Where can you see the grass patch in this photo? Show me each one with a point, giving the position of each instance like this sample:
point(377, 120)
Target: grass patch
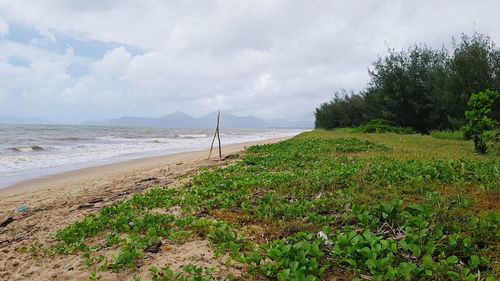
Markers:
point(326, 204)
point(447, 135)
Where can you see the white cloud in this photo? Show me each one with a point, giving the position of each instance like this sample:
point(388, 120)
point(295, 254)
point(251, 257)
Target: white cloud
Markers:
point(4, 26)
point(46, 38)
point(114, 62)
point(266, 81)
point(272, 58)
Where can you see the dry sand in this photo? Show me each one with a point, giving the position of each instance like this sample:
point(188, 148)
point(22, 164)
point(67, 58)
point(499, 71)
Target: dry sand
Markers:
point(58, 200)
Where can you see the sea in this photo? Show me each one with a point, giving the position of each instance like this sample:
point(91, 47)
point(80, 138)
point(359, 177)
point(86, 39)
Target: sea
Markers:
point(34, 151)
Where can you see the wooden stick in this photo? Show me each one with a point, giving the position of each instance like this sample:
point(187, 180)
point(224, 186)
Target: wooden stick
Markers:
point(212, 145)
point(216, 134)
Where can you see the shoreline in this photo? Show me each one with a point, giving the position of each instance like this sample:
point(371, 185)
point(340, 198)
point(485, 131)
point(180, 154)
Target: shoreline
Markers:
point(129, 166)
point(52, 203)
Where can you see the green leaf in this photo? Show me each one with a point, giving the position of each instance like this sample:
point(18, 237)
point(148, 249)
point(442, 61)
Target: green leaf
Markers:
point(465, 272)
point(403, 244)
point(304, 245)
point(451, 260)
point(467, 242)
point(351, 262)
point(453, 275)
point(355, 240)
point(430, 248)
point(452, 241)
point(365, 251)
point(336, 250)
point(415, 249)
point(315, 251)
point(283, 275)
point(406, 269)
point(310, 278)
point(286, 249)
point(474, 261)
point(427, 260)
point(370, 263)
point(367, 235)
point(274, 254)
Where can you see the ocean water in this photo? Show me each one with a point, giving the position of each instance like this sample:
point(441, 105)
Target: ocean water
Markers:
point(33, 151)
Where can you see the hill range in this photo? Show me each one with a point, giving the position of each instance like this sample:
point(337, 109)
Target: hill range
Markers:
point(182, 120)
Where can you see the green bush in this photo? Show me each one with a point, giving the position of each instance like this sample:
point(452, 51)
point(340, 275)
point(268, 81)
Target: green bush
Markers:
point(479, 120)
point(382, 126)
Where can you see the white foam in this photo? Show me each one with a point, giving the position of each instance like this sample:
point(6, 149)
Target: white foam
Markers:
point(108, 149)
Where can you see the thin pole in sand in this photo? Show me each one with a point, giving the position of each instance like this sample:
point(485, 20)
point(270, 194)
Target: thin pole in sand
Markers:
point(218, 137)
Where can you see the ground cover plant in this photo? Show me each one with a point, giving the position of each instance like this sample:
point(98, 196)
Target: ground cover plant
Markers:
point(382, 126)
point(323, 205)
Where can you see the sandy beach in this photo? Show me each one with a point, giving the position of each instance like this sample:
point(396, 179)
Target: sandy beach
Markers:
point(53, 202)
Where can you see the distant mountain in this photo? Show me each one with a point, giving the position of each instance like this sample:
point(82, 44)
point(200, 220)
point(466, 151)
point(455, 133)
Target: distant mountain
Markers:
point(19, 120)
point(182, 120)
point(178, 120)
point(232, 121)
point(174, 120)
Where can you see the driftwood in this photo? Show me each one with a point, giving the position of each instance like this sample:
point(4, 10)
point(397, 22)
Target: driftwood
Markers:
point(96, 200)
point(155, 248)
point(86, 205)
point(148, 179)
point(218, 137)
point(6, 222)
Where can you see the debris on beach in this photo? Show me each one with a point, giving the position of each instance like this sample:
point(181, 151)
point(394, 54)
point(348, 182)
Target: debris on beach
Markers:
point(6, 222)
point(23, 209)
point(155, 248)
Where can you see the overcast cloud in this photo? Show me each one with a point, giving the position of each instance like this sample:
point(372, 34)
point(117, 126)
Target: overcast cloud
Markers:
point(74, 60)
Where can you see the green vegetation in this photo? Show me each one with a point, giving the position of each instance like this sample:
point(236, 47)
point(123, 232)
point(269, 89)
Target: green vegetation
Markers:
point(447, 134)
point(189, 272)
point(421, 88)
point(321, 205)
point(382, 126)
point(478, 119)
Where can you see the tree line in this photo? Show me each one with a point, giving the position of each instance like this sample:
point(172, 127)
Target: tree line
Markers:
point(420, 87)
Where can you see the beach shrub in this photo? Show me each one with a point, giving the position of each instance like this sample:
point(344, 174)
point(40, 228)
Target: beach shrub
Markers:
point(478, 117)
point(382, 126)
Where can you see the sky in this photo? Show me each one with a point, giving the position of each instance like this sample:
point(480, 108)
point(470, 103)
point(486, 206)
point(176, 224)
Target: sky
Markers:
point(72, 60)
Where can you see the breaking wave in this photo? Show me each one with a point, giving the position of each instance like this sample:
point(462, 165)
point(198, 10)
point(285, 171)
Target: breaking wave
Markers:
point(34, 148)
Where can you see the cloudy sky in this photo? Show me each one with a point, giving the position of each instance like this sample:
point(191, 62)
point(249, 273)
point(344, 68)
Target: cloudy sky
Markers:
point(74, 60)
